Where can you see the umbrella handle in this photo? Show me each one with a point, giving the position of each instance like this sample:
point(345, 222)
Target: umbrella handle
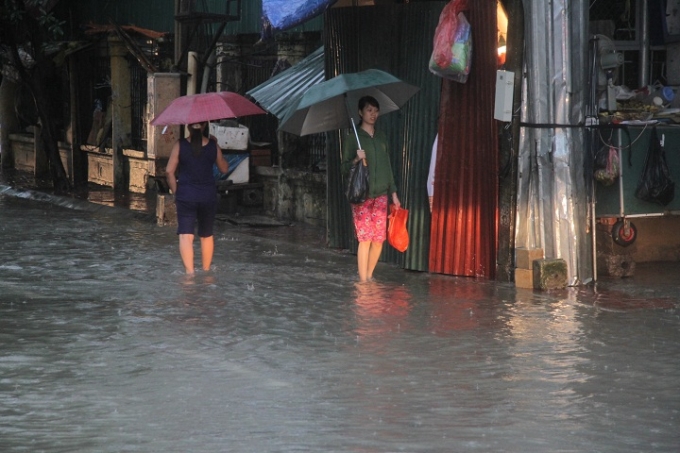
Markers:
point(357, 135)
point(351, 118)
point(355, 132)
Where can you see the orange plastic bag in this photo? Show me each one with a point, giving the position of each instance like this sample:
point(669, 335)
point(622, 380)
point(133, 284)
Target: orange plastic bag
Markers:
point(397, 235)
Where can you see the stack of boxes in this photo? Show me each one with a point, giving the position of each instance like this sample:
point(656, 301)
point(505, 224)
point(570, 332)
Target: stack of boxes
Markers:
point(524, 266)
point(532, 271)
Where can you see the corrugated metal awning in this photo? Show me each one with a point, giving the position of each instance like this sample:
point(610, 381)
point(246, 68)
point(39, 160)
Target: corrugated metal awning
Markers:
point(278, 93)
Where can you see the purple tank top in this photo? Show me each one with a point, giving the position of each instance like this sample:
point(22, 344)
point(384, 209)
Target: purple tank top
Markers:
point(196, 181)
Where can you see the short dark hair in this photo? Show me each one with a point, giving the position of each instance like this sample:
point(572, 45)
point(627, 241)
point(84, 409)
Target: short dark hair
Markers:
point(370, 100)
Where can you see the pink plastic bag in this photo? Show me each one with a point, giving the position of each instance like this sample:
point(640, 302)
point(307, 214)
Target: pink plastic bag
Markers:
point(452, 47)
point(607, 176)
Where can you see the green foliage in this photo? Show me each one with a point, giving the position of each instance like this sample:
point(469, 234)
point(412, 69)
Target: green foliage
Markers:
point(15, 14)
point(53, 26)
point(11, 13)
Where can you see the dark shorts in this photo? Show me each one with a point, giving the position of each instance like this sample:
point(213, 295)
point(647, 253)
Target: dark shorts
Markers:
point(188, 212)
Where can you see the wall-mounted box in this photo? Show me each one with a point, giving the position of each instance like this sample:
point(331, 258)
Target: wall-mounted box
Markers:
point(505, 86)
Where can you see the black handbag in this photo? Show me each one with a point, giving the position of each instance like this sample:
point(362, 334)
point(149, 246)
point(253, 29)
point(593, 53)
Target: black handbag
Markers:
point(357, 183)
point(655, 185)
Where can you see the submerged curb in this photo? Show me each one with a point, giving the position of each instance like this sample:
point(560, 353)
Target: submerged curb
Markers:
point(73, 203)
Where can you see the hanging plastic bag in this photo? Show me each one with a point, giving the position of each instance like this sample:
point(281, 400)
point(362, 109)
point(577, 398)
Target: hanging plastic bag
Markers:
point(452, 52)
point(397, 234)
point(357, 183)
point(655, 185)
point(279, 15)
point(609, 157)
point(600, 158)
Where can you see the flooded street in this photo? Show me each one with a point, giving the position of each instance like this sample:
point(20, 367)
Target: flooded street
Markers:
point(106, 346)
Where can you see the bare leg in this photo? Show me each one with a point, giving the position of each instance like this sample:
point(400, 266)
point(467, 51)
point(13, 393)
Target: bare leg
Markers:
point(373, 257)
point(186, 251)
point(207, 250)
point(362, 260)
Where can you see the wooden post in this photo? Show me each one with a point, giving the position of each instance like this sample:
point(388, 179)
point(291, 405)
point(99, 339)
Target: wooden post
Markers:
point(166, 211)
point(41, 166)
point(507, 197)
point(121, 110)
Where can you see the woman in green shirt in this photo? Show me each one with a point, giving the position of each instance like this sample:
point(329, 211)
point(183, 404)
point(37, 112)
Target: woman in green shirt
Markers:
point(370, 217)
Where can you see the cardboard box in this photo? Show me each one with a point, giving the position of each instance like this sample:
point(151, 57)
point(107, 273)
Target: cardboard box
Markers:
point(524, 257)
point(524, 278)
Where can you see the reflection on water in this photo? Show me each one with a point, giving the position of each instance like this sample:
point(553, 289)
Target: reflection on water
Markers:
point(381, 309)
point(459, 307)
point(619, 300)
point(107, 346)
point(129, 200)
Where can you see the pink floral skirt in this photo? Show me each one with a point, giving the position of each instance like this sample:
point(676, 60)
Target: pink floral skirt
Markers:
point(370, 219)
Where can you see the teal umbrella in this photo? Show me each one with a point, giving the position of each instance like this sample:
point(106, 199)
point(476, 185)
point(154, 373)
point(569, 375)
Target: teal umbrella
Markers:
point(333, 104)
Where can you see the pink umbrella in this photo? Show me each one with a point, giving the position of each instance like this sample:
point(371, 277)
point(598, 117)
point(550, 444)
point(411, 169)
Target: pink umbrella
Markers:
point(197, 108)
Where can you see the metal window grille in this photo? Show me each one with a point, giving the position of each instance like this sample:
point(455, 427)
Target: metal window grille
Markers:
point(138, 97)
point(316, 151)
point(309, 152)
point(618, 19)
point(257, 70)
point(96, 76)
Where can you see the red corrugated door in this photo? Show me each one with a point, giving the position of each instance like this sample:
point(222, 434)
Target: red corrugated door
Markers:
point(465, 203)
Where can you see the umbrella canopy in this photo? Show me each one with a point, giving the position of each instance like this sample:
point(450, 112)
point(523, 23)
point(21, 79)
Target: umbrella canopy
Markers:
point(277, 94)
point(332, 104)
point(197, 108)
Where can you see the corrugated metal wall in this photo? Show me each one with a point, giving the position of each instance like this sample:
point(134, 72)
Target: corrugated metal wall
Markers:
point(552, 209)
point(396, 39)
point(155, 15)
point(464, 221)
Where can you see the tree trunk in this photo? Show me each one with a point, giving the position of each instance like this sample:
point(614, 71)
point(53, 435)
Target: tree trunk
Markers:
point(8, 120)
point(37, 83)
point(49, 137)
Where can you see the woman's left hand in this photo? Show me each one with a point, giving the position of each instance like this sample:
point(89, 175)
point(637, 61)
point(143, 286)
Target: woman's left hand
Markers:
point(395, 200)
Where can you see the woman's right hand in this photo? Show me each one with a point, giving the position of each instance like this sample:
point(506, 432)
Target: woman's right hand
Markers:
point(361, 154)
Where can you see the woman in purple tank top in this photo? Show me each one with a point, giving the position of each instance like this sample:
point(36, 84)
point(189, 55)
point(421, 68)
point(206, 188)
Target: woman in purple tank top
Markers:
point(190, 177)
